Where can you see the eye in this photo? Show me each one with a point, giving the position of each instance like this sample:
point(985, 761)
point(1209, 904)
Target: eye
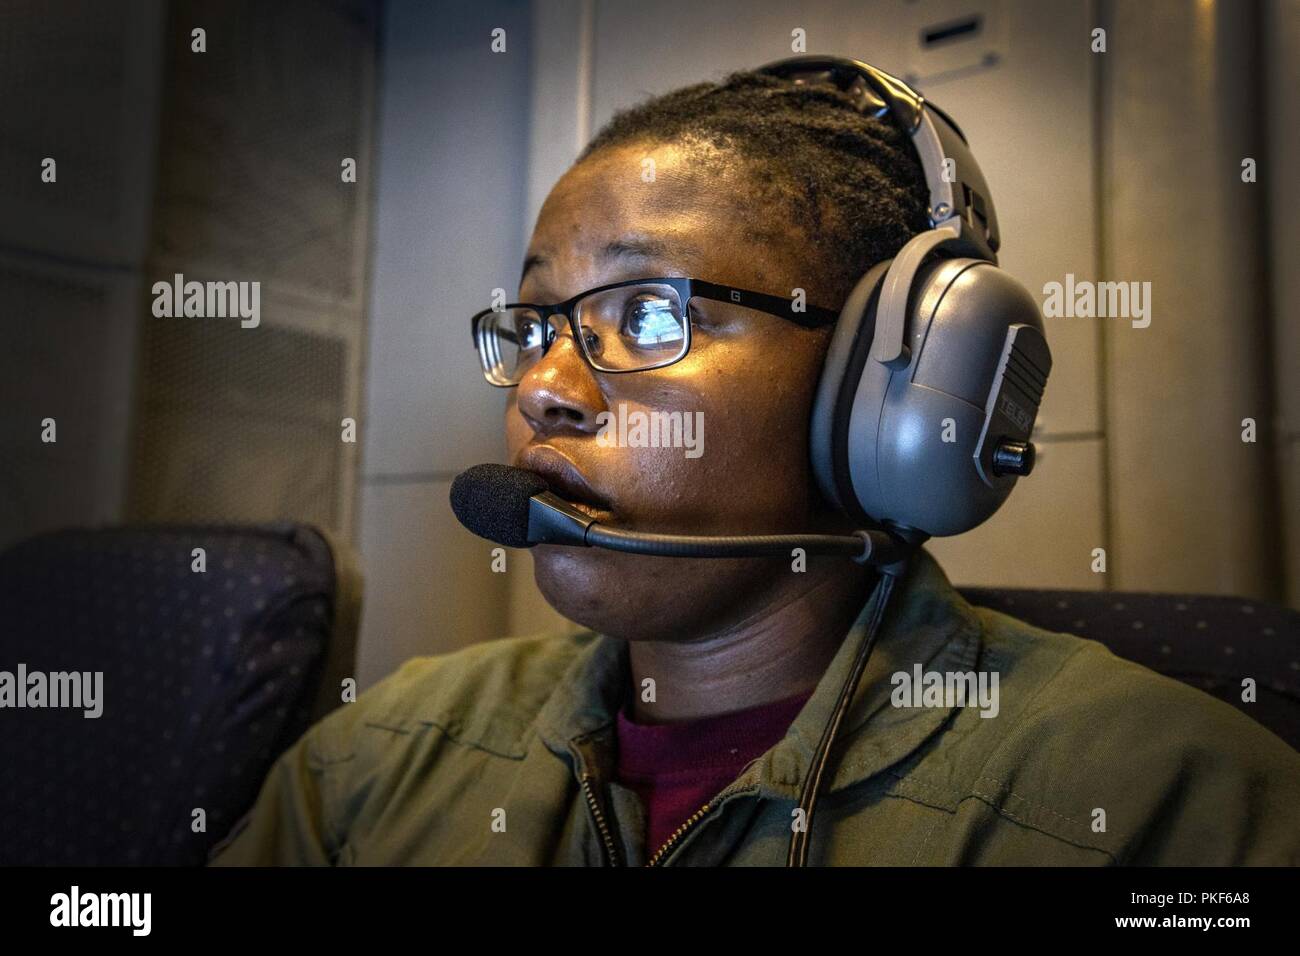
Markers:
point(651, 320)
point(530, 332)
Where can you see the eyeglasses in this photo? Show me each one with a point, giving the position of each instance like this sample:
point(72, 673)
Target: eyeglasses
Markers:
point(631, 326)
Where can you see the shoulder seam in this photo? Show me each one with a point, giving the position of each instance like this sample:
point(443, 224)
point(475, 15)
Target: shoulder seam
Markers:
point(1001, 811)
point(998, 802)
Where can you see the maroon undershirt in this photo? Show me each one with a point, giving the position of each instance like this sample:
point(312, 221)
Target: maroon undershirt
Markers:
point(676, 768)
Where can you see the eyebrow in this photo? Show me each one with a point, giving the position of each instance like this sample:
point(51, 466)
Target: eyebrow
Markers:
point(629, 247)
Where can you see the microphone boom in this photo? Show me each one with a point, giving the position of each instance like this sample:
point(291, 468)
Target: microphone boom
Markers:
point(515, 508)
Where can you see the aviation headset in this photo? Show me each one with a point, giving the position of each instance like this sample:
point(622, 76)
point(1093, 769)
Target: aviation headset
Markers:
point(936, 368)
point(934, 375)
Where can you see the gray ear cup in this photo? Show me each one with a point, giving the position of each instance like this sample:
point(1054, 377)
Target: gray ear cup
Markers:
point(836, 389)
point(936, 445)
point(935, 372)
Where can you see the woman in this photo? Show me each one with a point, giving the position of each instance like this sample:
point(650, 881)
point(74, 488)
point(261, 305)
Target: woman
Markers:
point(679, 727)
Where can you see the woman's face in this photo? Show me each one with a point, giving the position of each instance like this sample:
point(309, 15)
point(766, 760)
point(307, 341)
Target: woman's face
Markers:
point(752, 377)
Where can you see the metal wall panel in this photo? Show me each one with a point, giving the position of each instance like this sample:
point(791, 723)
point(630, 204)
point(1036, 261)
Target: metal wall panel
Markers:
point(452, 171)
point(430, 588)
point(1282, 95)
point(1194, 508)
point(453, 136)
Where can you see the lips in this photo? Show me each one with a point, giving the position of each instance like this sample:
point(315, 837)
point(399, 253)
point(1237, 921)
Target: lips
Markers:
point(565, 480)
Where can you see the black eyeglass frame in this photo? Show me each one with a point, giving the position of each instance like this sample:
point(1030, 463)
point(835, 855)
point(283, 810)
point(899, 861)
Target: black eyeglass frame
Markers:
point(810, 317)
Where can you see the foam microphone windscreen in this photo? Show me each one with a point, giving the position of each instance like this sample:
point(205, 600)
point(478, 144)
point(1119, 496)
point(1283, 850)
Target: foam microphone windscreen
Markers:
point(492, 501)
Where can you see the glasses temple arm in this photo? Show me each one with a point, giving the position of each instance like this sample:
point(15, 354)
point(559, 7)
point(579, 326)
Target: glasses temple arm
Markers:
point(810, 316)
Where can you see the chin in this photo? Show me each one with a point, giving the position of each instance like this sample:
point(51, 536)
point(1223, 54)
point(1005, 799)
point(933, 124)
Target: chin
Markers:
point(638, 597)
point(584, 586)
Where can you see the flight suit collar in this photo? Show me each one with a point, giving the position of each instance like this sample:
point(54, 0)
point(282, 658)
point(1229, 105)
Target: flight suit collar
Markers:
point(927, 623)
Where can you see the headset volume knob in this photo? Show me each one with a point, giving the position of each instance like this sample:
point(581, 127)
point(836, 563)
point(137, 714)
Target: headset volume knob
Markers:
point(1013, 458)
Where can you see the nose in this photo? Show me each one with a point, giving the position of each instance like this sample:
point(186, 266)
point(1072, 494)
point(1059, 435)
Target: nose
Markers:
point(560, 393)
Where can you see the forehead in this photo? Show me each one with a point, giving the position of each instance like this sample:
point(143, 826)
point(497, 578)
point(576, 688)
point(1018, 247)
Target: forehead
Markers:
point(636, 210)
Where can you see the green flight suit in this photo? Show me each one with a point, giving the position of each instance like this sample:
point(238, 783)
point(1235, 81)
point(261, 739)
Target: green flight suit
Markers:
point(502, 754)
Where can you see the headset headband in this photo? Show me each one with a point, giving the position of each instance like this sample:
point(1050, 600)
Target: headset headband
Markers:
point(963, 206)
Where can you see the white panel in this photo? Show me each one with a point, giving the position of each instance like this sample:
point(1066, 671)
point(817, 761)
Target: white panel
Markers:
point(1192, 509)
point(954, 38)
point(1044, 535)
point(452, 153)
point(429, 584)
point(1029, 122)
point(561, 92)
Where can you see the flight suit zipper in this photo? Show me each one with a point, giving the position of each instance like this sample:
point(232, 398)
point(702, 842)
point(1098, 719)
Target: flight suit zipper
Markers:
point(606, 838)
point(678, 834)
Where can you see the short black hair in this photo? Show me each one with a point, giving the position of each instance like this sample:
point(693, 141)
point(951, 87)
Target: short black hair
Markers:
point(852, 183)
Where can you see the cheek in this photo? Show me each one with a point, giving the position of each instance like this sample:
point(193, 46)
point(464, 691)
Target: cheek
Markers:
point(754, 408)
point(758, 402)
